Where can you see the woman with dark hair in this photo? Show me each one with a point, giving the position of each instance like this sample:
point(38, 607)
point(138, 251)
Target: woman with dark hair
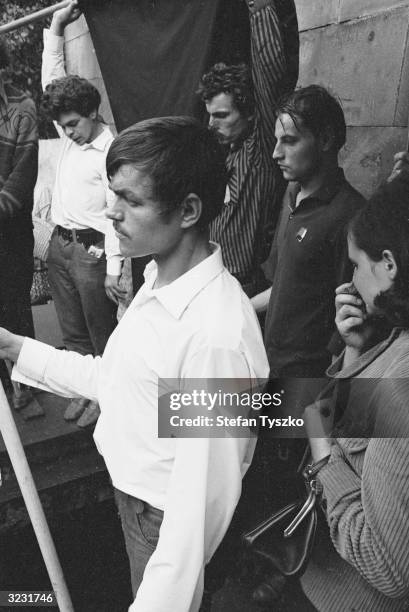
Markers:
point(363, 471)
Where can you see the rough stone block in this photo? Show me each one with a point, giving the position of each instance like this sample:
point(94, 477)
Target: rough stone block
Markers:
point(359, 63)
point(316, 14)
point(367, 157)
point(351, 9)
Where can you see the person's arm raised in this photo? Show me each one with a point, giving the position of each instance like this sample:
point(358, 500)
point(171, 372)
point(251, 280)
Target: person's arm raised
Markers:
point(272, 61)
point(63, 17)
point(53, 65)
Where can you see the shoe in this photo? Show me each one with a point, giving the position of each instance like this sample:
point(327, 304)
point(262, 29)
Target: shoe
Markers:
point(75, 408)
point(90, 415)
point(21, 397)
point(33, 410)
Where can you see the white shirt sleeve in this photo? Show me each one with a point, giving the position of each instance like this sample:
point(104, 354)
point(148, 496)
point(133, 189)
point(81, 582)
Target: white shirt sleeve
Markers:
point(53, 66)
point(204, 489)
point(63, 372)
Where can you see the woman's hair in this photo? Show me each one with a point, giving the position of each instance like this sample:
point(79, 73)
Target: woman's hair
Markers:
point(383, 224)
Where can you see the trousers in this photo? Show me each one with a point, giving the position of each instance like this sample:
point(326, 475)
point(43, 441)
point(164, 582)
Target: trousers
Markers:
point(140, 523)
point(86, 316)
point(16, 276)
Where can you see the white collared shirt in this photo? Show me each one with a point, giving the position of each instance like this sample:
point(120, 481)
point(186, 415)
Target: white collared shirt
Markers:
point(81, 193)
point(202, 325)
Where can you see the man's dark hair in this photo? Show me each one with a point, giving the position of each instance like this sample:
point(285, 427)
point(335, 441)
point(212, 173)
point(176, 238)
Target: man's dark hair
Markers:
point(4, 54)
point(235, 80)
point(316, 110)
point(383, 224)
point(180, 156)
point(70, 93)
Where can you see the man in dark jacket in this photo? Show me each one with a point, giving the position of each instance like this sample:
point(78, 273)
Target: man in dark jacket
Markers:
point(18, 175)
point(308, 258)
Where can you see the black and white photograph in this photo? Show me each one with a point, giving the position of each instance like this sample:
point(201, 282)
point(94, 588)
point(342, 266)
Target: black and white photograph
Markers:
point(204, 305)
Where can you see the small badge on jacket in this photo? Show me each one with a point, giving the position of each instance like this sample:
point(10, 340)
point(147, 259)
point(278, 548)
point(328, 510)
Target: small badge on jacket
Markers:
point(301, 234)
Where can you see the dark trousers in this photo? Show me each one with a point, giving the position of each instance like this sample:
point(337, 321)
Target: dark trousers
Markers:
point(140, 524)
point(86, 316)
point(16, 277)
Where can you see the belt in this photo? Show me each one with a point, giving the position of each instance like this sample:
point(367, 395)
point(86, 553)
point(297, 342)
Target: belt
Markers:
point(84, 236)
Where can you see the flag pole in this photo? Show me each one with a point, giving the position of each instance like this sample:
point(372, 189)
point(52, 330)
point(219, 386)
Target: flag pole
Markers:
point(24, 21)
point(31, 498)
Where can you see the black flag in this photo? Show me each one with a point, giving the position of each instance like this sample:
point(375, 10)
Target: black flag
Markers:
point(152, 53)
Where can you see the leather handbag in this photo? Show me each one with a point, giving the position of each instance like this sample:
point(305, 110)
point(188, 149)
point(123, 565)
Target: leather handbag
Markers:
point(284, 541)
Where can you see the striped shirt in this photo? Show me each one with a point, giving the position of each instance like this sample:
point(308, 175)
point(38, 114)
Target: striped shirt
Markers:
point(244, 228)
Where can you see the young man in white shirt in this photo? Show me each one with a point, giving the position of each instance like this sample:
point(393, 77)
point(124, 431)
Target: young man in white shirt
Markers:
point(84, 263)
point(190, 320)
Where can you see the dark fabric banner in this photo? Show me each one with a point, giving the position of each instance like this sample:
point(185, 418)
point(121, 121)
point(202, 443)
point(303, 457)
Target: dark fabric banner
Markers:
point(152, 53)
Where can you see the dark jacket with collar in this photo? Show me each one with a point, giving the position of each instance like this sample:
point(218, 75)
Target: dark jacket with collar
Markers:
point(308, 260)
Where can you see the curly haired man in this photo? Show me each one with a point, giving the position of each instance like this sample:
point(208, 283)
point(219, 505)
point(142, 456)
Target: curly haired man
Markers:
point(241, 102)
point(83, 262)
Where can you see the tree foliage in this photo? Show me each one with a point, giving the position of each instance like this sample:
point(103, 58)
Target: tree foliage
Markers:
point(25, 47)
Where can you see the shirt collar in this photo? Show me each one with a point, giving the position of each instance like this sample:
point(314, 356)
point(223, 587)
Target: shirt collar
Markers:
point(177, 296)
point(247, 133)
point(100, 142)
point(324, 194)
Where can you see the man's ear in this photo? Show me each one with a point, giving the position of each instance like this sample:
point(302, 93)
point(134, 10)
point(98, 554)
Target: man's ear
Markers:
point(191, 210)
point(390, 264)
point(327, 139)
point(93, 115)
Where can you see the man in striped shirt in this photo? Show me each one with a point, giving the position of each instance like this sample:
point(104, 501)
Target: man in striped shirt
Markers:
point(241, 102)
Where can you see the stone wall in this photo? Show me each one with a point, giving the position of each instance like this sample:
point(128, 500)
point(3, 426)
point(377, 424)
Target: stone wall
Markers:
point(357, 48)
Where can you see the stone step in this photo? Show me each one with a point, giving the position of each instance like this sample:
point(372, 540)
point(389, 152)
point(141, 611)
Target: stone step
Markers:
point(66, 466)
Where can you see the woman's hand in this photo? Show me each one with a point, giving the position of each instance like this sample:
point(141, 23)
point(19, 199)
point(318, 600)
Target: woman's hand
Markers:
point(10, 345)
point(351, 318)
point(318, 422)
